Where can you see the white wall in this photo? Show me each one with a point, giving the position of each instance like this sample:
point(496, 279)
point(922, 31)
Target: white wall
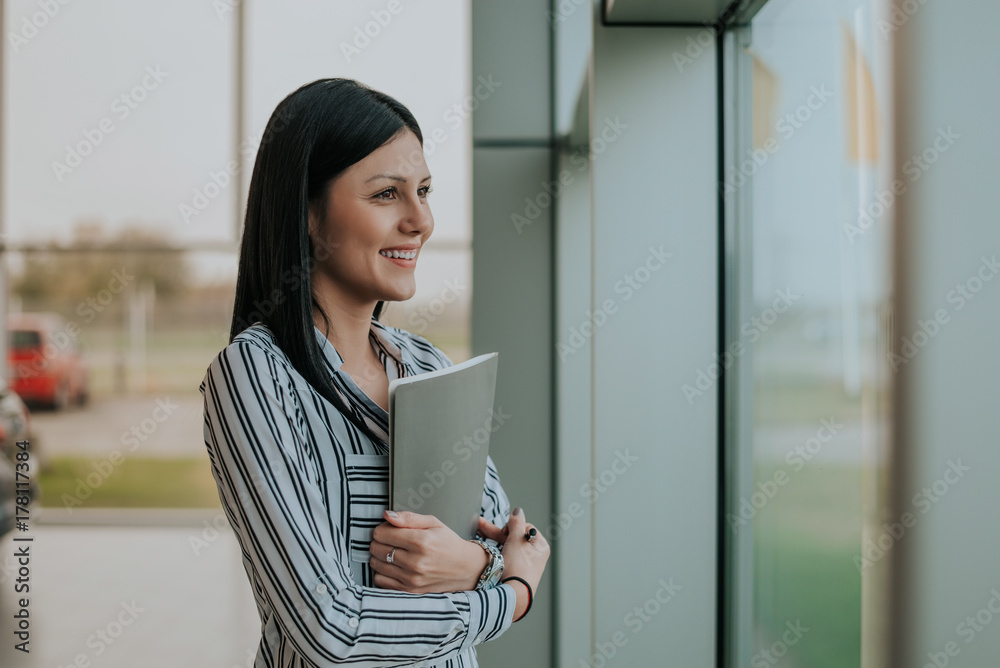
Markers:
point(948, 392)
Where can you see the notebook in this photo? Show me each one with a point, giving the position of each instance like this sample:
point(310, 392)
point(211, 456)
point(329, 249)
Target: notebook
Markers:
point(440, 424)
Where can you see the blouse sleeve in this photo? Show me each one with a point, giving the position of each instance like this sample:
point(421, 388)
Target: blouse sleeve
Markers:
point(297, 552)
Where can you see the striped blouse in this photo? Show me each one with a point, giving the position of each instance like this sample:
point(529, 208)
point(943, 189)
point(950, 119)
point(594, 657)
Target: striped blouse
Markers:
point(304, 488)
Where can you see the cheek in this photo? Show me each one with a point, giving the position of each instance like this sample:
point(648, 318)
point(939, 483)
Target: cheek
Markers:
point(349, 243)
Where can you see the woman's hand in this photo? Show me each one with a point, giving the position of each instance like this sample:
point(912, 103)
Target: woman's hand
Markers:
point(521, 557)
point(429, 556)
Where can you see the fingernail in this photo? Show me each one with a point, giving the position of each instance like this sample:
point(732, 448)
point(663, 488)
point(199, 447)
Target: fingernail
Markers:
point(519, 511)
point(392, 513)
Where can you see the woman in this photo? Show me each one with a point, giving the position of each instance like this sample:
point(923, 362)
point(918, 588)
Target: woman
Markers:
point(296, 405)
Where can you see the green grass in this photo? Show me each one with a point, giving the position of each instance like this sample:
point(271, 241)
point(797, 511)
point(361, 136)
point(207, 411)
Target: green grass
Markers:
point(135, 483)
point(819, 586)
point(805, 540)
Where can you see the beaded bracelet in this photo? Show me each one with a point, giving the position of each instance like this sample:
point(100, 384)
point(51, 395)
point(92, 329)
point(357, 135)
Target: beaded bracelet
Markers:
point(527, 586)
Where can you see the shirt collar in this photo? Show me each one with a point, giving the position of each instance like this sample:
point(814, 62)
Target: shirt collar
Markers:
point(374, 415)
point(376, 330)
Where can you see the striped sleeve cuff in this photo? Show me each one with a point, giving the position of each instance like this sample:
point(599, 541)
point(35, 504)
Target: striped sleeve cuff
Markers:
point(494, 608)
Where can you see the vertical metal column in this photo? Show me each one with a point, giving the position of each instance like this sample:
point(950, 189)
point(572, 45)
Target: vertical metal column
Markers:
point(4, 277)
point(239, 111)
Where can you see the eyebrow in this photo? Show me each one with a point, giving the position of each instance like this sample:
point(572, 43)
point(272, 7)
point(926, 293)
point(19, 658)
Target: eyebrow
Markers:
point(395, 178)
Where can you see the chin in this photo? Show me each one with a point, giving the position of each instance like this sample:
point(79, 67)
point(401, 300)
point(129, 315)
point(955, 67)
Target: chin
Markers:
point(400, 295)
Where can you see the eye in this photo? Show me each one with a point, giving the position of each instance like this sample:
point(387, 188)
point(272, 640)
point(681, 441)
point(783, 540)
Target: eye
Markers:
point(392, 190)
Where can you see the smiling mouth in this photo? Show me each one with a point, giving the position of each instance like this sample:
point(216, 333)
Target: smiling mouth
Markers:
point(406, 259)
point(400, 255)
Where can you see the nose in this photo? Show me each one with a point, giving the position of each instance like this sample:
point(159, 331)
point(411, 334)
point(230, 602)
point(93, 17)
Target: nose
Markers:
point(418, 218)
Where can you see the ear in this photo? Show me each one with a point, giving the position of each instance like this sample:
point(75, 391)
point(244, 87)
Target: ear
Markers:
point(313, 228)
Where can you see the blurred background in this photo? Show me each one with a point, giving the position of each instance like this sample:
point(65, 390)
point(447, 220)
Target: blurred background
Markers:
point(130, 132)
point(121, 201)
point(737, 255)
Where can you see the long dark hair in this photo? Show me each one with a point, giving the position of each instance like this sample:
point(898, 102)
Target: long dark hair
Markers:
point(314, 134)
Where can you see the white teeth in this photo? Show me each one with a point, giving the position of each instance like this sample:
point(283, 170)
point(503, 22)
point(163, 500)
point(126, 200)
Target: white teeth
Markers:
point(405, 255)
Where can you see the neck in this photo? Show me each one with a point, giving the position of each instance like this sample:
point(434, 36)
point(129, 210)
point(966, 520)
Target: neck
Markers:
point(349, 326)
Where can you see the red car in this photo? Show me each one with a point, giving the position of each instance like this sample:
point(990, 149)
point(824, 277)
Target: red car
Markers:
point(44, 361)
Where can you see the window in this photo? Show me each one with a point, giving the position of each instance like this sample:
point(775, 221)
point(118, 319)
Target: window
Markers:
point(808, 198)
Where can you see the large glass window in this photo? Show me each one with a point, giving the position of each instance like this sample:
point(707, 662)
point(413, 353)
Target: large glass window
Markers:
point(808, 179)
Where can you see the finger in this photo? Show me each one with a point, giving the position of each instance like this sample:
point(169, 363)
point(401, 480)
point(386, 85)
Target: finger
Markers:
point(393, 570)
point(380, 550)
point(407, 539)
point(404, 518)
point(387, 582)
point(489, 530)
point(516, 522)
point(483, 522)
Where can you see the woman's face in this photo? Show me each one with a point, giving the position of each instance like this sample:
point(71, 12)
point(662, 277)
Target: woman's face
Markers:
point(375, 207)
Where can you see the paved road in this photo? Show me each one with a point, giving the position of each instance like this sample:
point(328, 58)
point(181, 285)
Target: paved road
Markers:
point(160, 426)
point(156, 602)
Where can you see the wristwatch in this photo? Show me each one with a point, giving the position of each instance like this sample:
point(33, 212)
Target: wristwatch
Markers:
point(494, 569)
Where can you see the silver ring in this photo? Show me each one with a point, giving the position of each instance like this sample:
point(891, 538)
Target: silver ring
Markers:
point(388, 557)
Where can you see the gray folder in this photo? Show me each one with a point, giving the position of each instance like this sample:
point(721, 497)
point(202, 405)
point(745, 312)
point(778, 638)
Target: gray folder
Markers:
point(439, 436)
